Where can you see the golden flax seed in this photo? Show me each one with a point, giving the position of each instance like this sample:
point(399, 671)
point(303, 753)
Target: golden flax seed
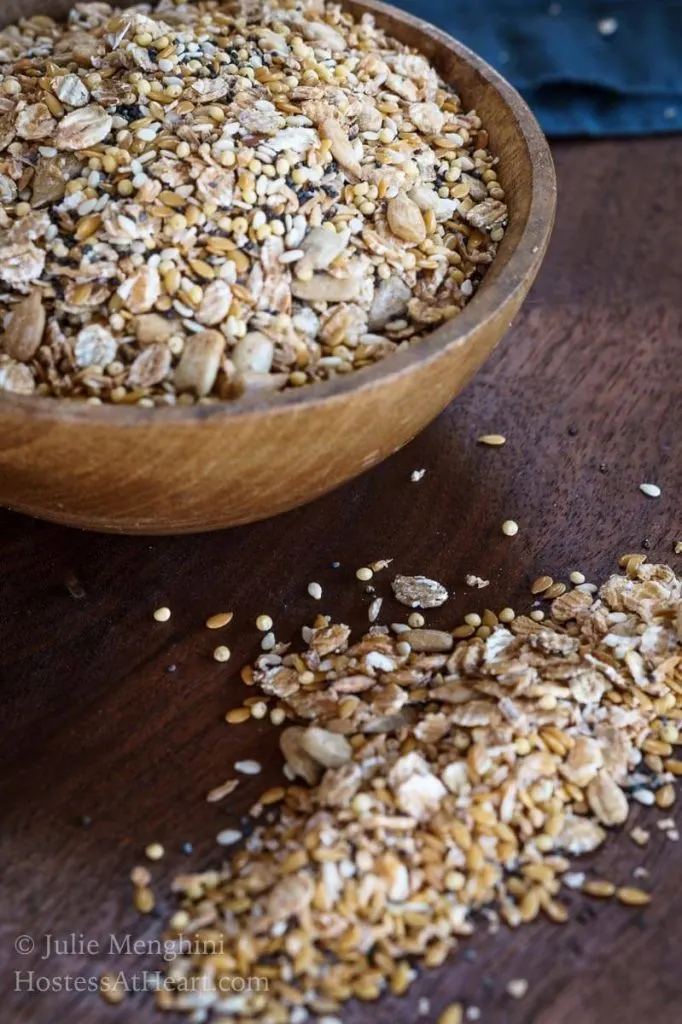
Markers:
point(219, 620)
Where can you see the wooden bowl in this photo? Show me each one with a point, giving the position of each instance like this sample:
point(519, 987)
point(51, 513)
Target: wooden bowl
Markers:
point(134, 470)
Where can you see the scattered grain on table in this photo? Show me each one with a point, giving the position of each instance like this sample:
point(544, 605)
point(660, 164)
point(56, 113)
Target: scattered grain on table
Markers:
point(416, 776)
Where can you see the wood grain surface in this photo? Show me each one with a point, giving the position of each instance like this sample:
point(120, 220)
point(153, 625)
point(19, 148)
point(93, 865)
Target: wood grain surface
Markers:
point(106, 713)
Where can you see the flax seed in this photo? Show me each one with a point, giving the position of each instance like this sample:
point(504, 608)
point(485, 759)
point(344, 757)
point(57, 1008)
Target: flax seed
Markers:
point(219, 620)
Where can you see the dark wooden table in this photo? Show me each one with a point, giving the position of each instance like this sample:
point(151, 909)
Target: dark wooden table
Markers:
point(94, 721)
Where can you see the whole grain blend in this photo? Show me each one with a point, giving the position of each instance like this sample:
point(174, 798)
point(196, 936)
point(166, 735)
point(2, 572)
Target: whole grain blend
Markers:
point(203, 199)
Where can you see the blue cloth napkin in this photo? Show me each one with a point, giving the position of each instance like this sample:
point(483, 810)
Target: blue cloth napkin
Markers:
point(586, 67)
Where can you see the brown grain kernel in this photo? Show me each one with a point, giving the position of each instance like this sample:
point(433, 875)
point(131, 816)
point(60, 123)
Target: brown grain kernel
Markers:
point(489, 618)
point(238, 715)
point(143, 900)
point(462, 632)
point(272, 796)
point(452, 1014)
point(665, 796)
point(112, 989)
point(599, 887)
point(632, 897)
point(541, 584)
point(556, 590)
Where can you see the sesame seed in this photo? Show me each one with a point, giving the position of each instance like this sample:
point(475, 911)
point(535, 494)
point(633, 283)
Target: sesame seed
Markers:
point(517, 988)
point(576, 577)
point(510, 528)
point(315, 591)
point(264, 623)
point(492, 440)
point(248, 767)
point(229, 836)
point(651, 490)
point(222, 653)
point(162, 614)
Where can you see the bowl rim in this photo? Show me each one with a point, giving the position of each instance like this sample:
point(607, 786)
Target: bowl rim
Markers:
point(483, 307)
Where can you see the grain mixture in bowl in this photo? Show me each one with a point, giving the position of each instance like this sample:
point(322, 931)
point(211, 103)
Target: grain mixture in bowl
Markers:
point(200, 200)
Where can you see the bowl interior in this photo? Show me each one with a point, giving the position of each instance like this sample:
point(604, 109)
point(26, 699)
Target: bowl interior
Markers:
point(526, 173)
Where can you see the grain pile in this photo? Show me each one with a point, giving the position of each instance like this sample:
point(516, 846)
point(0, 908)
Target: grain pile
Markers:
point(430, 778)
point(203, 199)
